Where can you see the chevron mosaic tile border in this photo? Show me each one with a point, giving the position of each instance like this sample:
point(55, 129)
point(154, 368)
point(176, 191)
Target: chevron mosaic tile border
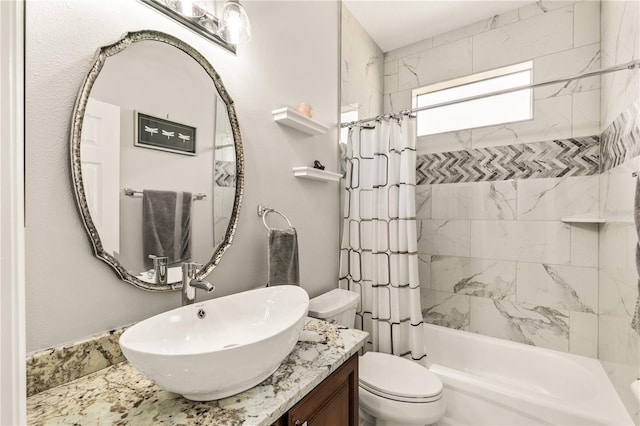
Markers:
point(620, 141)
point(225, 173)
point(557, 158)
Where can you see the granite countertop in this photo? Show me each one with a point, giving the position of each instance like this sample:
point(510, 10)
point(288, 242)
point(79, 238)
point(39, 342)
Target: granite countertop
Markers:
point(120, 395)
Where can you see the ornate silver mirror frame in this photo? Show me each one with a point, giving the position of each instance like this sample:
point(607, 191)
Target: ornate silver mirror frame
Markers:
point(76, 167)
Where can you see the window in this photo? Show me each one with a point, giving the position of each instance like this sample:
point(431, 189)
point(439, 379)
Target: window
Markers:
point(497, 109)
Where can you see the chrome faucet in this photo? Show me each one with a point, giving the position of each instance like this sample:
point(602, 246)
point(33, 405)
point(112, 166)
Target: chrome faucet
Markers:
point(190, 283)
point(160, 268)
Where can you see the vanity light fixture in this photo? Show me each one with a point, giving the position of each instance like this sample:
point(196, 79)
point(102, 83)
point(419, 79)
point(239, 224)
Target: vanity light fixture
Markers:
point(190, 8)
point(235, 27)
point(231, 29)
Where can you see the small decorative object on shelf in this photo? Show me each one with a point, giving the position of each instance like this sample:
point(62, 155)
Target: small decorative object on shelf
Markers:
point(318, 165)
point(304, 109)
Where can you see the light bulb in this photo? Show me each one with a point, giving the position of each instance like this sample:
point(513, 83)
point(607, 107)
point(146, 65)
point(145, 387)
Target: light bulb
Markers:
point(235, 27)
point(190, 8)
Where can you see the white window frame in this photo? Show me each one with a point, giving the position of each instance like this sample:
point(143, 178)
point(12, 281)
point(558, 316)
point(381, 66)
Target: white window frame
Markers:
point(475, 78)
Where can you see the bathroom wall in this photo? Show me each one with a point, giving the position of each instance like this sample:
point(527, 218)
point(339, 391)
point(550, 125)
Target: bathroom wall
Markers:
point(497, 260)
point(495, 257)
point(362, 63)
point(561, 37)
point(619, 345)
point(70, 294)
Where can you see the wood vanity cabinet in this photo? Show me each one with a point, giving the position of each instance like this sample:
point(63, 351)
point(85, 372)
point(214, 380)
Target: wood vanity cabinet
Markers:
point(334, 402)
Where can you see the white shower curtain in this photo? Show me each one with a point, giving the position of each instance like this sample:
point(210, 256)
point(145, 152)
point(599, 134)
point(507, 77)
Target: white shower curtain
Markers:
point(379, 256)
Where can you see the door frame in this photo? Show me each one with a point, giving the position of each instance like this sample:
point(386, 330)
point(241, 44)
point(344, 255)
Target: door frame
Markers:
point(12, 268)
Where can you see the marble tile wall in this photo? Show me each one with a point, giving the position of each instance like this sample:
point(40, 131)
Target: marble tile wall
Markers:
point(619, 345)
point(362, 65)
point(620, 32)
point(497, 260)
point(560, 37)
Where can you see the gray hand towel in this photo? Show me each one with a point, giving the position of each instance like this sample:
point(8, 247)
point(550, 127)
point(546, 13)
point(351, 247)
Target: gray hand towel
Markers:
point(635, 323)
point(283, 257)
point(166, 225)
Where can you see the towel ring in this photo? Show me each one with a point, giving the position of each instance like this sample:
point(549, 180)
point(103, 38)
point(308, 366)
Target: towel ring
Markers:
point(264, 211)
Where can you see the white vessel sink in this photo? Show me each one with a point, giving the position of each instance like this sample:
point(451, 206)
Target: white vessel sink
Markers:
point(240, 341)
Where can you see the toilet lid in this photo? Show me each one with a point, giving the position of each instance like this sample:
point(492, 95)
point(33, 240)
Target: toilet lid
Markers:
point(397, 378)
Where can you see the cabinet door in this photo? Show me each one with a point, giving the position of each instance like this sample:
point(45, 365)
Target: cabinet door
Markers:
point(334, 402)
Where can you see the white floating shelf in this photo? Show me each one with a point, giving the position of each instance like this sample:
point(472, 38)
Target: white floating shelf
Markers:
point(316, 174)
point(582, 219)
point(289, 117)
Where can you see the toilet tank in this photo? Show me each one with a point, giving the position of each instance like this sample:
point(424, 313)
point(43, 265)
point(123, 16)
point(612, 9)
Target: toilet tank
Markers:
point(337, 306)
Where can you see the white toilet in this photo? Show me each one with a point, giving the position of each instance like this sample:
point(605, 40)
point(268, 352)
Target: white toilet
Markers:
point(393, 390)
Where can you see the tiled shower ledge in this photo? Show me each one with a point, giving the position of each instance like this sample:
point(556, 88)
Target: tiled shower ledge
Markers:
point(121, 395)
point(582, 219)
point(593, 219)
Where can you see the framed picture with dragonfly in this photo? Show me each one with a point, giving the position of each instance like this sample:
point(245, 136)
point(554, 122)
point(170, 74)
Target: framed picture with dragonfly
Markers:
point(165, 135)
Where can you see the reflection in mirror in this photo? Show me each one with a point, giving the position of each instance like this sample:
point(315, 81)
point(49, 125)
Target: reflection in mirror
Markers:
point(225, 173)
point(156, 160)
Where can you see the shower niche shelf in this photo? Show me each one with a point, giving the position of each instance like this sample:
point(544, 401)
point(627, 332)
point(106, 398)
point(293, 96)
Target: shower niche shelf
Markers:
point(316, 174)
point(290, 118)
point(582, 219)
point(587, 219)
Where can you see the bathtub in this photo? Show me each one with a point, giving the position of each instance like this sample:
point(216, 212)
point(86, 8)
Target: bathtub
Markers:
point(489, 381)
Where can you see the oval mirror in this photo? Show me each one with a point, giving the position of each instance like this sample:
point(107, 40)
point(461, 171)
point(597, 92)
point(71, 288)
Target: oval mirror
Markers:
point(157, 161)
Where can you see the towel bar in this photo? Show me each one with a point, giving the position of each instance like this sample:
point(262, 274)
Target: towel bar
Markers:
point(263, 211)
point(132, 192)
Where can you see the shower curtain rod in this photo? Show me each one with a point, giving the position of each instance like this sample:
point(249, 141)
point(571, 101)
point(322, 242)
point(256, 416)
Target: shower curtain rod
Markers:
point(628, 66)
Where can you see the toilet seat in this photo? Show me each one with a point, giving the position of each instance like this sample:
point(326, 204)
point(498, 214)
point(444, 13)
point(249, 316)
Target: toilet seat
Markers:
point(398, 379)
